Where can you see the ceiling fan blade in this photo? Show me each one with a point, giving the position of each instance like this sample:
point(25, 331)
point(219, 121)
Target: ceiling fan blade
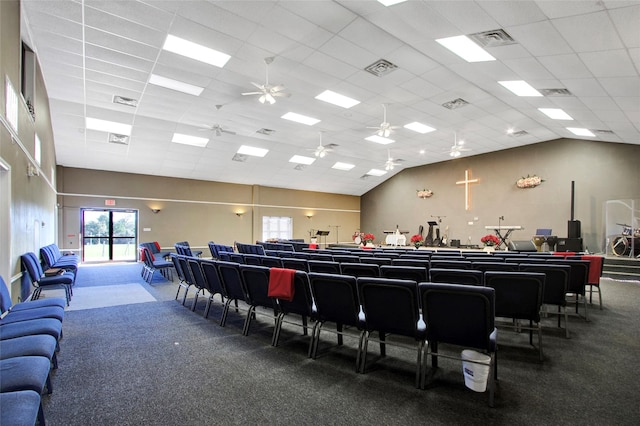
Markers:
point(251, 93)
point(258, 85)
point(281, 94)
point(227, 131)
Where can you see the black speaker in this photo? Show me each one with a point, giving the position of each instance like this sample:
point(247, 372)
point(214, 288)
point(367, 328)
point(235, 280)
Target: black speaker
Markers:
point(455, 243)
point(522, 246)
point(569, 244)
point(573, 229)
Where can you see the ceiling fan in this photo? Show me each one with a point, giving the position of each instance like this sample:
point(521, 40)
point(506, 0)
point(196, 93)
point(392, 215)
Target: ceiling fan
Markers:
point(218, 130)
point(322, 150)
point(385, 128)
point(457, 148)
point(391, 163)
point(268, 92)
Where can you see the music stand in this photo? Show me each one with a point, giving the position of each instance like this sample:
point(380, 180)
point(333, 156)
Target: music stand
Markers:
point(322, 234)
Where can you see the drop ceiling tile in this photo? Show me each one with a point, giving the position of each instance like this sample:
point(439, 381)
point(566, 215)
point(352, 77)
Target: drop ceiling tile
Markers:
point(612, 63)
point(370, 37)
point(626, 22)
point(528, 69)
point(123, 27)
point(566, 66)
point(589, 33)
point(467, 16)
point(540, 38)
point(331, 16)
point(107, 55)
point(508, 16)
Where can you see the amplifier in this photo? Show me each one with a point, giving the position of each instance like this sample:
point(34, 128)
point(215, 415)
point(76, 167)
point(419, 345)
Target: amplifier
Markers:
point(569, 244)
point(527, 245)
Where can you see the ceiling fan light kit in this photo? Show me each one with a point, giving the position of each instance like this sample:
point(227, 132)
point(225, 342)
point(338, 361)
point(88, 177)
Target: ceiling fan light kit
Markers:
point(268, 92)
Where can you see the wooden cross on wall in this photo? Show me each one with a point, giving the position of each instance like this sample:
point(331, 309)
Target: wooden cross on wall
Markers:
point(467, 193)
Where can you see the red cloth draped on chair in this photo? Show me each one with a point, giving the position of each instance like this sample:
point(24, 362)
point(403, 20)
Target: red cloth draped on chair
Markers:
point(281, 283)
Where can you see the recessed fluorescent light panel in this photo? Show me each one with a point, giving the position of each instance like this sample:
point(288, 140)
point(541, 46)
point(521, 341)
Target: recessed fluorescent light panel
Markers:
point(253, 151)
point(555, 113)
point(419, 127)
point(520, 88)
point(580, 131)
point(376, 172)
point(337, 99)
point(301, 159)
point(379, 139)
point(343, 166)
point(299, 118)
point(195, 51)
point(179, 86)
point(189, 140)
point(390, 2)
point(464, 47)
point(107, 126)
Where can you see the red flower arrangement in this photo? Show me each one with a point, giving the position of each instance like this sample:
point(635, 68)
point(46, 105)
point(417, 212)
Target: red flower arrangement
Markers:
point(417, 240)
point(490, 240)
point(368, 238)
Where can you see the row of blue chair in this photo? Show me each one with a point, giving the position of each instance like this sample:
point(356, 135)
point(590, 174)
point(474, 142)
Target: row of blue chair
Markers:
point(184, 248)
point(215, 249)
point(370, 304)
point(29, 339)
point(52, 257)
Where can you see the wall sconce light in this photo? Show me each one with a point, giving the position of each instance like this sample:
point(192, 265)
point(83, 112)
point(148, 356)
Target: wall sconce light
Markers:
point(309, 216)
point(155, 211)
point(239, 214)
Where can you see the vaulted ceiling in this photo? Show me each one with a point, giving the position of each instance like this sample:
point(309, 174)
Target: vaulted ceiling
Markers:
point(583, 56)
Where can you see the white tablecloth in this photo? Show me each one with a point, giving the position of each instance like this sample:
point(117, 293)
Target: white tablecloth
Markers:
point(396, 240)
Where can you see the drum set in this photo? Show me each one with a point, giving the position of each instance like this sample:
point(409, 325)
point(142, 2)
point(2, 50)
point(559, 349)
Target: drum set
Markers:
point(622, 245)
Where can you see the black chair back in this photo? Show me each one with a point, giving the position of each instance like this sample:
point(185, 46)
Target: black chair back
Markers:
point(417, 274)
point(456, 276)
point(360, 269)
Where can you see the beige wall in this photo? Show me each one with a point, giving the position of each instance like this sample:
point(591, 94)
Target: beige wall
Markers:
point(32, 200)
point(198, 211)
point(601, 172)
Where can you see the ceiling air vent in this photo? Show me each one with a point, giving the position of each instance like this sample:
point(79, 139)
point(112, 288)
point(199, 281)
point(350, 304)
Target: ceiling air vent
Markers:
point(240, 158)
point(604, 132)
point(125, 101)
point(556, 92)
point(381, 67)
point(364, 177)
point(493, 38)
point(299, 167)
point(119, 139)
point(519, 133)
point(456, 103)
point(266, 132)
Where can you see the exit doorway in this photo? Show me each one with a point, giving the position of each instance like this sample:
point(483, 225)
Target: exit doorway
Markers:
point(109, 235)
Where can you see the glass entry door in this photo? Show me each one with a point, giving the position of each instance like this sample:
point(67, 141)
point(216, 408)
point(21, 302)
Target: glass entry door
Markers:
point(109, 235)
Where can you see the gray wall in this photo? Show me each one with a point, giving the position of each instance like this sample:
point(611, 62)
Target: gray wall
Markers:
point(32, 215)
point(198, 211)
point(601, 172)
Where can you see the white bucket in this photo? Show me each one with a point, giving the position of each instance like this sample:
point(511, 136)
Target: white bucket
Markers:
point(475, 375)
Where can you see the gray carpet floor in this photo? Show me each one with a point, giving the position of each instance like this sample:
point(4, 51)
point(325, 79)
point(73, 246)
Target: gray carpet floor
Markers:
point(160, 363)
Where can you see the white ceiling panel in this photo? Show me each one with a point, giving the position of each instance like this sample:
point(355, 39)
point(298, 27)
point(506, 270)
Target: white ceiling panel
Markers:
point(90, 51)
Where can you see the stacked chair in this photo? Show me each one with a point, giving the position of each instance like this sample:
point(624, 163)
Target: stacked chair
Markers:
point(150, 265)
point(29, 335)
